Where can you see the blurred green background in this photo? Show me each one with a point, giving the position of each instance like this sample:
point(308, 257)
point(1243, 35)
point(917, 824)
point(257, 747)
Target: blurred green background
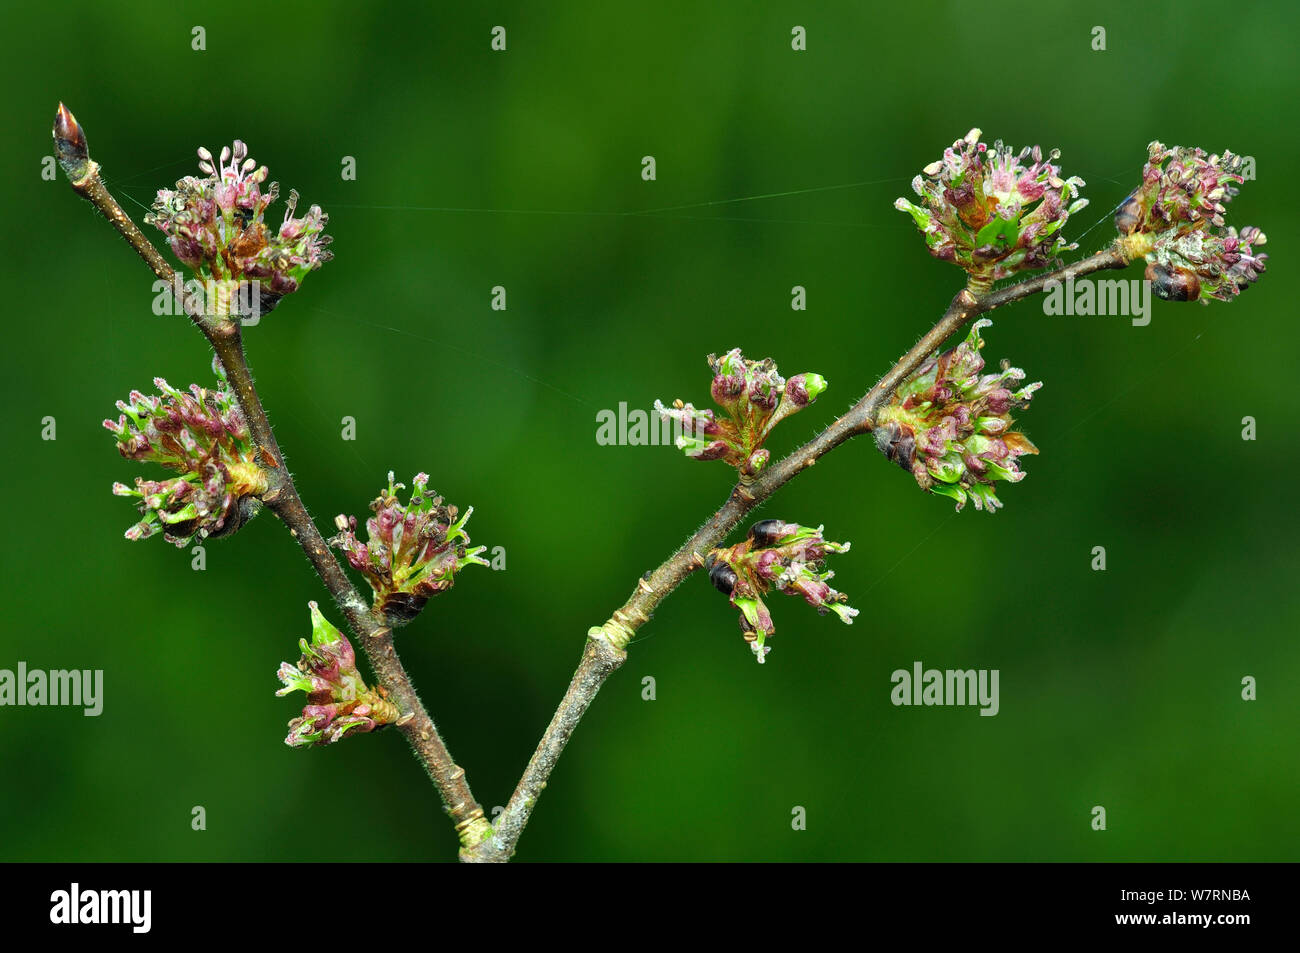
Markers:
point(474, 169)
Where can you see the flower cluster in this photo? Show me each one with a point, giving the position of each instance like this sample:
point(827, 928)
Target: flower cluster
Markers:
point(413, 550)
point(950, 426)
point(994, 212)
point(1203, 264)
point(215, 226)
point(776, 555)
point(1175, 219)
point(755, 398)
point(1180, 186)
point(338, 700)
point(203, 436)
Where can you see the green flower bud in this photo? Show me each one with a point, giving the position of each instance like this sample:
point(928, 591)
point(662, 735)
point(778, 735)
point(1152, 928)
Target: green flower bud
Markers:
point(338, 701)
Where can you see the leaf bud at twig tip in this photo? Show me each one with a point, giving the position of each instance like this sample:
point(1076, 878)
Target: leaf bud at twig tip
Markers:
point(68, 136)
point(70, 148)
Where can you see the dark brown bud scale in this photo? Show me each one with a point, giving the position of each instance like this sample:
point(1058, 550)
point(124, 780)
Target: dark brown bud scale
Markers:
point(723, 577)
point(246, 508)
point(1129, 217)
point(765, 533)
point(897, 443)
point(399, 608)
point(1173, 284)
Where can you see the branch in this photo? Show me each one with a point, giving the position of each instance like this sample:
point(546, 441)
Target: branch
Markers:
point(606, 647)
point(281, 497)
point(375, 636)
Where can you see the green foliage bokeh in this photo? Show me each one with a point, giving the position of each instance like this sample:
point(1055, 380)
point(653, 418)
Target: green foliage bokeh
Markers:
point(474, 169)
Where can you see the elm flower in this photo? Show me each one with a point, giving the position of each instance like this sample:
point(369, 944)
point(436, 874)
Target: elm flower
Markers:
point(1181, 186)
point(338, 701)
point(413, 550)
point(1174, 219)
point(776, 555)
point(203, 435)
point(994, 212)
point(215, 226)
point(1203, 263)
point(949, 425)
point(755, 398)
